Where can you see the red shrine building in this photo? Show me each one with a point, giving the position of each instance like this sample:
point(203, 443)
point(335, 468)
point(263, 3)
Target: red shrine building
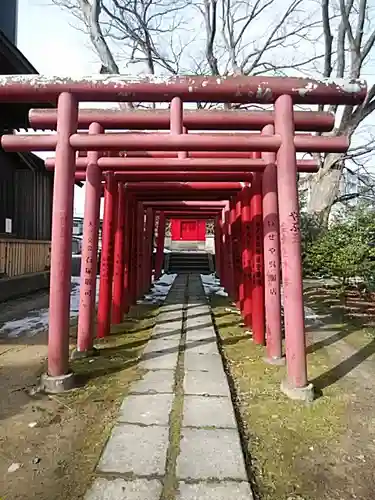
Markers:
point(188, 230)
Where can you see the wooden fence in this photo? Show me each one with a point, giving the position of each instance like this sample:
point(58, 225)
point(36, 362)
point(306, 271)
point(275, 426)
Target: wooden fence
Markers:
point(19, 257)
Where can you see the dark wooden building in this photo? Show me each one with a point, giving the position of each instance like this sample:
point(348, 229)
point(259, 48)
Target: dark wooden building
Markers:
point(25, 193)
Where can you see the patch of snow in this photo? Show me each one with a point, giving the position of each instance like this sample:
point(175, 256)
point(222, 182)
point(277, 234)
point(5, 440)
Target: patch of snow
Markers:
point(212, 286)
point(30, 325)
point(159, 290)
point(37, 320)
point(166, 250)
point(311, 318)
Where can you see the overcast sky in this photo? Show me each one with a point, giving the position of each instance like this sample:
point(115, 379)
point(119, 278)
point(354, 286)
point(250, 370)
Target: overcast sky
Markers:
point(48, 40)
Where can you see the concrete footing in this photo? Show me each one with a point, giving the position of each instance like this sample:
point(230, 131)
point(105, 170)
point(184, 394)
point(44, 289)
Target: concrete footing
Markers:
point(56, 385)
point(306, 393)
point(275, 361)
point(84, 354)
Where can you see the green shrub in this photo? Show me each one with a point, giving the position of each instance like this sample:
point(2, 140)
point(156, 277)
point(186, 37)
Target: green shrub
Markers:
point(345, 250)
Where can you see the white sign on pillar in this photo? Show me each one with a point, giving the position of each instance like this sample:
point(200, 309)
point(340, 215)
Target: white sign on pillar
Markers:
point(8, 225)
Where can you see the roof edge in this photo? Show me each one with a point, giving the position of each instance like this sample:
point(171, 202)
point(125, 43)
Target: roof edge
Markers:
point(24, 65)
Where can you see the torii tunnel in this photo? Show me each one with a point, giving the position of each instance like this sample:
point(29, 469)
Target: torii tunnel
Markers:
point(236, 167)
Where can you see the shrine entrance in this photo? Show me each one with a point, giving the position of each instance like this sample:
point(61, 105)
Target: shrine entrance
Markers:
point(188, 230)
point(188, 235)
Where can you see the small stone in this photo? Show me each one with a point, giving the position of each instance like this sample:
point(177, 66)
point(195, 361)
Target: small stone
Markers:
point(33, 391)
point(14, 467)
point(36, 460)
point(33, 424)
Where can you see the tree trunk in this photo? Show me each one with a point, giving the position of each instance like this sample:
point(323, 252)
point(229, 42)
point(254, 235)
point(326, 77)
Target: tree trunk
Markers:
point(325, 187)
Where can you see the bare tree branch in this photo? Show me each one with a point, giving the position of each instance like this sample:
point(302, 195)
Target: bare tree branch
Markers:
point(328, 39)
point(91, 13)
point(219, 37)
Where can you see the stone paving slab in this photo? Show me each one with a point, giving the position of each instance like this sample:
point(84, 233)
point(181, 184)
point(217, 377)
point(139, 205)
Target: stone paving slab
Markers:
point(170, 307)
point(204, 384)
point(170, 326)
point(155, 381)
point(200, 308)
point(162, 346)
point(134, 449)
point(203, 362)
point(146, 409)
point(159, 361)
point(196, 318)
point(205, 411)
point(199, 322)
point(198, 315)
point(210, 465)
point(159, 332)
point(196, 305)
point(199, 334)
point(228, 490)
point(203, 346)
point(119, 489)
point(173, 315)
point(210, 454)
point(205, 326)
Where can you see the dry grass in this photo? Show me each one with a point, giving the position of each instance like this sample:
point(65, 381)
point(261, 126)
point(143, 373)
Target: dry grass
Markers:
point(298, 451)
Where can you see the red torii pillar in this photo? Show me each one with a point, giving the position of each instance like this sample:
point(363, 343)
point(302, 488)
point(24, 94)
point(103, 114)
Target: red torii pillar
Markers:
point(58, 376)
point(106, 264)
point(296, 385)
point(128, 241)
point(218, 242)
point(232, 246)
point(271, 243)
point(89, 257)
point(222, 248)
point(228, 266)
point(118, 268)
point(133, 253)
point(225, 253)
point(148, 248)
point(236, 248)
point(159, 257)
point(257, 296)
point(247, 236)
point(140, 250)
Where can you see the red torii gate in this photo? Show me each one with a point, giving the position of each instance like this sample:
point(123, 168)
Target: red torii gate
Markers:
point(279, 140)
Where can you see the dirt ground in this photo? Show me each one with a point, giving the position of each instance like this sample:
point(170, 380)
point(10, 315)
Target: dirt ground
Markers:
point(320, 451)
point(52, 443)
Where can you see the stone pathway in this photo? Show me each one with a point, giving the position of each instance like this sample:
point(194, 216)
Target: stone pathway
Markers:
point(176, 437)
